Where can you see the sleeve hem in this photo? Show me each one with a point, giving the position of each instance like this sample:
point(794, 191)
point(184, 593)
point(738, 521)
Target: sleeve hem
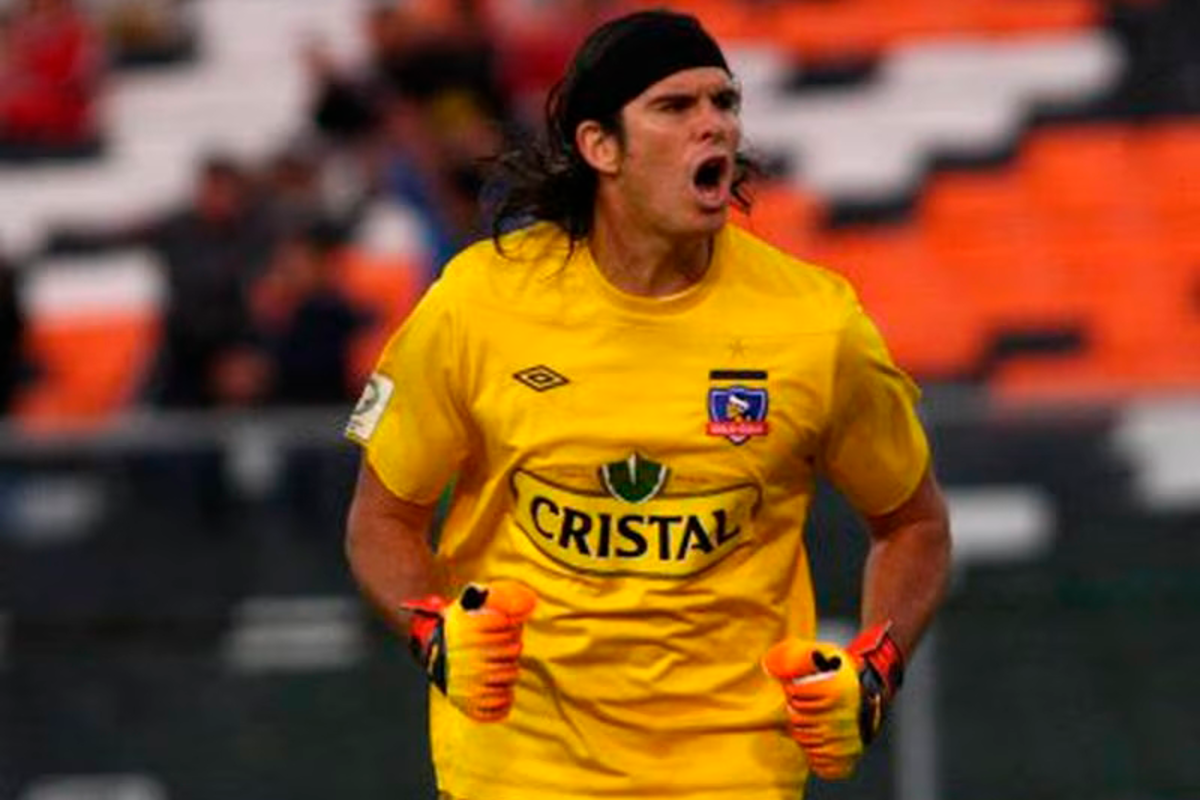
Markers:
point(406, 494)
point(909, 489)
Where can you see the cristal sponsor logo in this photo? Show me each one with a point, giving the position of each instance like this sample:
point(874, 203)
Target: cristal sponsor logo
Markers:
point(633, 528)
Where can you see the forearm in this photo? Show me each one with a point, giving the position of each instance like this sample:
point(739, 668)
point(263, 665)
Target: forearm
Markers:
point(908, 566)
point(905, 581)
point(388, 551)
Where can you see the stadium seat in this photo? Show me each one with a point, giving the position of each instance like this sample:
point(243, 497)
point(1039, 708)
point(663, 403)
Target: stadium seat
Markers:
point(1100, 376)
point(387, 289)
point(1078, 173)
point(783, 216)
point(89, 368)
point(931, 326)
point(842, 29)
point(93, 327)
point(1169, 157)
point(1025, 16)
point(826, 32)
point(727, 20)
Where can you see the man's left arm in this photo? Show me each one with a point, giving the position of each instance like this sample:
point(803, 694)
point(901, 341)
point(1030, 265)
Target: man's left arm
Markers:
point(837, 698)
point(908, 565)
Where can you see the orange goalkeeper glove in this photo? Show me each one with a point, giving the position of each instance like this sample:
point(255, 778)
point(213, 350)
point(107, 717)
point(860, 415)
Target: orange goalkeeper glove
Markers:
point(837, 698)
point(469, 648)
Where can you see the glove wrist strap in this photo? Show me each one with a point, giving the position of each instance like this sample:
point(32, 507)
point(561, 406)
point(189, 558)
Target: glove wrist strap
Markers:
point(881, 672)
point(875, 649)
point(427, 636)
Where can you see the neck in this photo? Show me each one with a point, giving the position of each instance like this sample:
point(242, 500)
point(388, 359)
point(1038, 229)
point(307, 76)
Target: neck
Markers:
point(647, 263)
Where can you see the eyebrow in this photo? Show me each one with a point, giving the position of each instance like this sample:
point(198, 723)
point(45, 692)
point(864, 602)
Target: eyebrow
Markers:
point(682, 95)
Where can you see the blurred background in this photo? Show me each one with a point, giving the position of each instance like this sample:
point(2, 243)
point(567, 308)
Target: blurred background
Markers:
point(213, 211)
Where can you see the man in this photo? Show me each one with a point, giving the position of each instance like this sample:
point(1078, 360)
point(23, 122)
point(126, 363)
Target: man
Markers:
point(213, 250)
point(51, 75)
point(627, 554)
point(14, 366)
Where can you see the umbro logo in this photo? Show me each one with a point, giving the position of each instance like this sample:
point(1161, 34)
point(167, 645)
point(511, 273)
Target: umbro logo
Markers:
point(540, 378)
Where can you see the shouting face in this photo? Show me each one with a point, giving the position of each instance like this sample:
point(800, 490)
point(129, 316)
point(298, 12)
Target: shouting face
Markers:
point(670, 169)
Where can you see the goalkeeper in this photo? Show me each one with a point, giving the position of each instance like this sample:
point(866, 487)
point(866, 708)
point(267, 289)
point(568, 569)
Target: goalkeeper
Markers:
point(637, 395)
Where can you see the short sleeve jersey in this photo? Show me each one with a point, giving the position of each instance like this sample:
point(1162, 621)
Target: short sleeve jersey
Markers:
point(646, 466)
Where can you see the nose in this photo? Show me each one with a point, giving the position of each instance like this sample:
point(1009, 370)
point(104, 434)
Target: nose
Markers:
point(716, 123)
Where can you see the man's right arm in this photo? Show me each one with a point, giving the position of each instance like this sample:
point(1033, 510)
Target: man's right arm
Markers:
point(469, 646)
point(387, 545)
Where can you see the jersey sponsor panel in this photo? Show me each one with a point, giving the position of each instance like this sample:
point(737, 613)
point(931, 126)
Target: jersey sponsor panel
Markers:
point(666, 535)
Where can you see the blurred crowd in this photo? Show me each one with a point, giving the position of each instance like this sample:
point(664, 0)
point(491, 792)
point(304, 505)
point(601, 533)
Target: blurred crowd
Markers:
point(256, 313)
point(51, 72)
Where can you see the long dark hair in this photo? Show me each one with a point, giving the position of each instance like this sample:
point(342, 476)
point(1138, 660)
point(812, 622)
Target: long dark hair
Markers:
point(545, 178)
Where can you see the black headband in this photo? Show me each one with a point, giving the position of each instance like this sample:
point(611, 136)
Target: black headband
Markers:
point(635, 52)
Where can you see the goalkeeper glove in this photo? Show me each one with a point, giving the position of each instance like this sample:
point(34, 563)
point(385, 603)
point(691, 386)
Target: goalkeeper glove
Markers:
point(469, 647)
point(837, 698)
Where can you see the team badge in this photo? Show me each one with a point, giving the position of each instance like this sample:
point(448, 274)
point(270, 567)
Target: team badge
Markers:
point(737, 412)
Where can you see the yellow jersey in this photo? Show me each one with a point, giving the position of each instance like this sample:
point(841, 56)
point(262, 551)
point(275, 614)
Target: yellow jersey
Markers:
point(646, 466)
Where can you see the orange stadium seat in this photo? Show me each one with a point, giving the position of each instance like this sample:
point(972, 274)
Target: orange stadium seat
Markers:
point(1078, 171)
point(1169, 156)
point(982, 228)
point(1143, 338)
point(1111, 376)
point(727, 20)
point(783, 216)
point(388, 290)
point(837, 29)
point(1121, 219)
point(931, 326)
point(967, 199)
point(90, 368)
point(1023, 16)
point(926, 19)
point(1170, 151)
point(830, 31)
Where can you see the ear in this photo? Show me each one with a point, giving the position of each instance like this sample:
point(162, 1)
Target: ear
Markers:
point(599, 148)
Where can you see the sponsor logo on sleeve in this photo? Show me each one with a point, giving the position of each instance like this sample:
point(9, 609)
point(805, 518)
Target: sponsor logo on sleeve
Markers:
point(370, 407)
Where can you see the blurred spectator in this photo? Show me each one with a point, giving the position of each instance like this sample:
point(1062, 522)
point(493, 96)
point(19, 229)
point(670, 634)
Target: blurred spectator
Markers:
point(433, 155)
point(1163, 42)
point(534, 41)
point(421, 111)
point(293, 185)
point(212, 250)
point(146, 31)
point(12, 335)
point(448, 49)
point(421, 49)
point(305, 182)
point(307, 325)
point(345, 97)
point(51, 68)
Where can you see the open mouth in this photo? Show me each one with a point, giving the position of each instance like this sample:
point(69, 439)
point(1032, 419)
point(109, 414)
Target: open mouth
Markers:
point(710, 172)
point(709, 179)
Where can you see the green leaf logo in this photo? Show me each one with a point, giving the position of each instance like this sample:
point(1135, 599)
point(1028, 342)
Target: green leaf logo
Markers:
point(635, 479)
